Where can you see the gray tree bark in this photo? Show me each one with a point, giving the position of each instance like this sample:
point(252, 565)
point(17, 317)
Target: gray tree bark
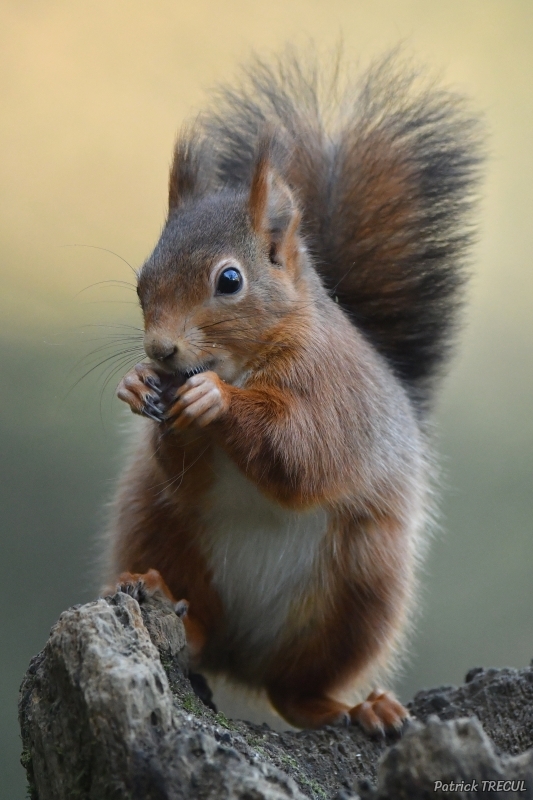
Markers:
point(107, 713)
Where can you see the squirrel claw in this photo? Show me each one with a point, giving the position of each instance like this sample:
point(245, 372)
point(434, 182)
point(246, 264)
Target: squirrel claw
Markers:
point(380, 714)
point(154, 383)
point(154, 405)
point(151, 415)
point(143, 391)
point(181, 608)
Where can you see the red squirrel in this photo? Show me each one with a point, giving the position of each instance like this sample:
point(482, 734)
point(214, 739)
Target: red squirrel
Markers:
point(298, 309)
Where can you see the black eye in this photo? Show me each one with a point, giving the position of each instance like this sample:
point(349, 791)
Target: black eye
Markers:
point(229, 281)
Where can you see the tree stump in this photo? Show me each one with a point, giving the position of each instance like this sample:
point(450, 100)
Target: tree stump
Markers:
point(107, 712)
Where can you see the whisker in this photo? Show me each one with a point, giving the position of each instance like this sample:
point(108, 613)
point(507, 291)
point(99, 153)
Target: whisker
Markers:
point(116, 337)
point(106, 250)
point(114, 284)
point(131, 358)
point(111, 325)
point(183, 471)
point(130, 349)
point(222, 321)
point(229, 341)
point(100, 363)
point(248, 316)
point(207, 349)
point(123, 364)
point(331, 292)
point(123, 302)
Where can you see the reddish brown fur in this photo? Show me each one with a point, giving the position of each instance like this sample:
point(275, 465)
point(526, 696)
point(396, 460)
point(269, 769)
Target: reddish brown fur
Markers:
point(366, 613)
point(283, 436)
point(294, 408)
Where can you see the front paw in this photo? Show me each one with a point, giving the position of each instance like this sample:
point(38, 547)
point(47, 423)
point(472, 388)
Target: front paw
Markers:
point(142, 389)
point(146, 584)
point(201, 400)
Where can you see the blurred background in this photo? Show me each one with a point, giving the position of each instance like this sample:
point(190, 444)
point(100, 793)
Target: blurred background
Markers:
point(92, 95)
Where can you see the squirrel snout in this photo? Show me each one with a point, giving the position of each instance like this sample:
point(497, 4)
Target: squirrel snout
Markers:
point(159, 348)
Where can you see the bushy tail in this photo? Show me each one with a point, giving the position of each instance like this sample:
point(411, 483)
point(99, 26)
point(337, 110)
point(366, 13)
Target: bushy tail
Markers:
point(385, 173)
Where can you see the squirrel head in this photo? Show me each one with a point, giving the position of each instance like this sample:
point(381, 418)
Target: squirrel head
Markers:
point(225, 273)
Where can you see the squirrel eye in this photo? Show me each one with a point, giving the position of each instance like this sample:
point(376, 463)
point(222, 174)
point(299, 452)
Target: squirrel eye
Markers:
point(229, 281)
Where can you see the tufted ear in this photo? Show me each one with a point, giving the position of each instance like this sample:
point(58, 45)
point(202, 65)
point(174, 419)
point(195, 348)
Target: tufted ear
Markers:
point(189, 168)
point(274, 213)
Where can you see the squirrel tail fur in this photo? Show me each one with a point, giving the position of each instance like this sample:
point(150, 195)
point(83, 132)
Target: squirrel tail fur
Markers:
point(385, 175)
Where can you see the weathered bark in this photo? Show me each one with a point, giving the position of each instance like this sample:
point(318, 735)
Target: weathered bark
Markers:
point(107, 713)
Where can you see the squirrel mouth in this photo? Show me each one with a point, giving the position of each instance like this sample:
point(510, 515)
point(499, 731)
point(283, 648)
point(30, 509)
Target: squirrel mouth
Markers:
point(185, 374)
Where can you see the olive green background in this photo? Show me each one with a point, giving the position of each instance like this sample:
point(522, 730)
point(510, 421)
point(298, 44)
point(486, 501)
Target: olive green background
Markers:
point(92, 94)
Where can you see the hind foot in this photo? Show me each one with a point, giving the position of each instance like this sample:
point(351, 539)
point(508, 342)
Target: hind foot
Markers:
point(380, 714)
point(309, 712)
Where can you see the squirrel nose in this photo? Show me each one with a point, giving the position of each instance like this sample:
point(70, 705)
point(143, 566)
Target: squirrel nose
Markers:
point(160, 349)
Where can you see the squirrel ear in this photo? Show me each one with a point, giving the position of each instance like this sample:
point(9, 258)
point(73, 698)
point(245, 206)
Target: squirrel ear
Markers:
point(187, 174)
point(274, 214)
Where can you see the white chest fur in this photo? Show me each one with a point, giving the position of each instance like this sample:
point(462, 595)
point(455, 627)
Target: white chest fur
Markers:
point(261, 555)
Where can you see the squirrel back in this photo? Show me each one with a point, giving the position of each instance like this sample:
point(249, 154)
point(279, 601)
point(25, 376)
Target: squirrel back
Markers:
point(384, 176)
